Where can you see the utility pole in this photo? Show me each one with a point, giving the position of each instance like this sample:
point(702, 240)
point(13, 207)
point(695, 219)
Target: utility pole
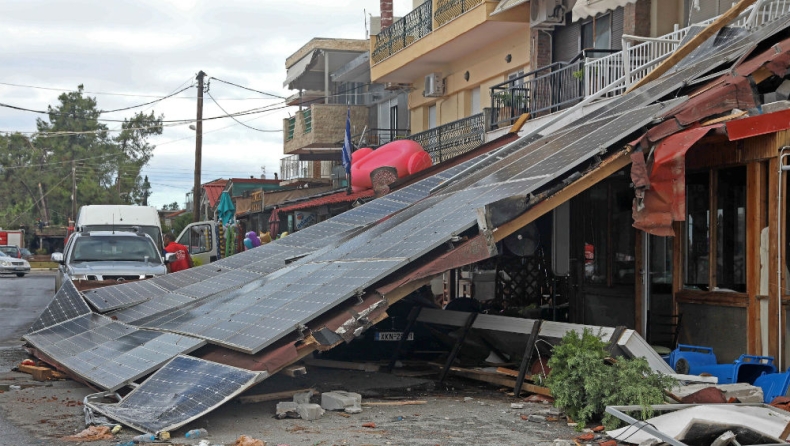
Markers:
point(198, 148)
point(45, 211)
point(74, 191)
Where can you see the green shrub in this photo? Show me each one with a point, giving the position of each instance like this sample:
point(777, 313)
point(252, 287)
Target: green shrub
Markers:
point(583, 384)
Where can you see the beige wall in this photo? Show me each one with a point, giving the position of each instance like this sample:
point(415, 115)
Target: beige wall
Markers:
point(486, 66)
point(664, 15)
point(328, 127)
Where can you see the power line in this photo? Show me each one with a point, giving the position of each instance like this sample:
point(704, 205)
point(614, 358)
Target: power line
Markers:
point(147, 103)
point(232, 117)
point(247, 88)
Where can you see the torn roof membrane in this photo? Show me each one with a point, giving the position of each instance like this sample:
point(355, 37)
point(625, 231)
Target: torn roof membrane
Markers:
point(252, 302)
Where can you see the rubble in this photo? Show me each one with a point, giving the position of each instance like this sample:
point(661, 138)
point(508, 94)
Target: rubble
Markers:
point(93, 433)
point(309, 412)
point(340, 400)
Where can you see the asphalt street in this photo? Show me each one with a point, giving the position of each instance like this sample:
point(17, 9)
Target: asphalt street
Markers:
point(22, 299)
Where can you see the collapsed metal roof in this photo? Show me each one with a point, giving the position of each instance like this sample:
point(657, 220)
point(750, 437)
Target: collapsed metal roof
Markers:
point(265, 308)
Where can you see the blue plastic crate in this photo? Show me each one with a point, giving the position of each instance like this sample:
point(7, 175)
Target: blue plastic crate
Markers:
point(746, 369)
point(773, 385)
point(686, 357)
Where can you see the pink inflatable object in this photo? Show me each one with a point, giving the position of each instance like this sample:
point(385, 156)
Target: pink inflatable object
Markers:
point(405, 155)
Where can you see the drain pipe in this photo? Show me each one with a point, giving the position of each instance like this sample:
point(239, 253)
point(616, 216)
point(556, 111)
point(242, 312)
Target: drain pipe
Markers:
point(783, 153)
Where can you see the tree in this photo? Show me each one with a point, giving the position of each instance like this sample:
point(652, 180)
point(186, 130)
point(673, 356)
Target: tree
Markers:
point(170, 207)
point(73, 145)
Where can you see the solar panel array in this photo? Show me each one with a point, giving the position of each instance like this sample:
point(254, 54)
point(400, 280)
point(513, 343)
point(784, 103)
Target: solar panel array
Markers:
point(66, 304)
point(249, 301)
point(107, 353)
point(181, 391)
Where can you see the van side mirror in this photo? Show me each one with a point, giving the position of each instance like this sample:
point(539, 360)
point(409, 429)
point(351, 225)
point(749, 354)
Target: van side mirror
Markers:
point(170, 257)
point(57, 257)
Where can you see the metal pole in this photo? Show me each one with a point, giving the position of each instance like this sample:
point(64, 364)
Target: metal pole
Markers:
point(779, 263)
point(198, 148)
point(74, 191)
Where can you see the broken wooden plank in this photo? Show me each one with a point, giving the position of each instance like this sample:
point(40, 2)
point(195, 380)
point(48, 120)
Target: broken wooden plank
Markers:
point(496, 378)
point(38, 373)
point(512, 373)
point(286, 394)
point(395, 403)
point(332, 364)
point(294, 370)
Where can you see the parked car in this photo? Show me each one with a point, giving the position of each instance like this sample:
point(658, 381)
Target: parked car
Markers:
point(11, 251)
point(26, 254)
point(11, 265)
point(101, 258)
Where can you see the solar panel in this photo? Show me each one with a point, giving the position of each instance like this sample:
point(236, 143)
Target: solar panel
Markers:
point(180, 279)
point(66, 304)
point(164, 302)
point(107, 353)
point(226, 280)
point(113, 297)
point(181, 391)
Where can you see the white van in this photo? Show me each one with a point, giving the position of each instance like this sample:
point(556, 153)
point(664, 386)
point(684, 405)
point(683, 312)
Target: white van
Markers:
point(116, 217)
point(202, 240)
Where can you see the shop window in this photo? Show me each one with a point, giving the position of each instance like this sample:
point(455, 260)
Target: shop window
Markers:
point(727, 236)
point(609, 238)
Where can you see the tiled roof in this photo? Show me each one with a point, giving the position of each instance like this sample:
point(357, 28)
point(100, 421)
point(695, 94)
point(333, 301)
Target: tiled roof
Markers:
point(340, 197)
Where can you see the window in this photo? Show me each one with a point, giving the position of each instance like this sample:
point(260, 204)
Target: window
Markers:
point(432, 116)
point(351, 93)
point(197, 239)
point(475, 105)
point(723, 242)
point(597, 33)
point(609, 239)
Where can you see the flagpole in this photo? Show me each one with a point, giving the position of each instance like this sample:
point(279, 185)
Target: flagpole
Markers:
point(348, 149)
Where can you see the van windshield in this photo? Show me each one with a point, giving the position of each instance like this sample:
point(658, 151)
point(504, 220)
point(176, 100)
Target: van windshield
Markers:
point(154, 232)
point(109, 248)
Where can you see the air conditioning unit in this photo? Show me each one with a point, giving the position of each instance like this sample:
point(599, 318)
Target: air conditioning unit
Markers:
point(434, 86)
point(546, 13)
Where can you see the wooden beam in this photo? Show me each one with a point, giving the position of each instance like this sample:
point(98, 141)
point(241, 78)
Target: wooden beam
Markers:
point(519, 123)
point(608, 167)
point(755, 222)
point(773, 264)
point(693, 43)
point(395, 403)
point(639, 285)
point(276, 396)
point(498, 379)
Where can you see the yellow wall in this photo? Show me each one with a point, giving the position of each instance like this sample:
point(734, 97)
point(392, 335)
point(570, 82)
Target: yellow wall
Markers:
point(664, 15)
point(486, 66)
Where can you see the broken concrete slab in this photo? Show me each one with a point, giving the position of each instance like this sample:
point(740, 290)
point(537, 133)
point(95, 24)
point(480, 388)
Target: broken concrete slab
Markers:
point(303, 397)
point(286, 409)
point(309, 412)
point(340, 400)
point(783, 92)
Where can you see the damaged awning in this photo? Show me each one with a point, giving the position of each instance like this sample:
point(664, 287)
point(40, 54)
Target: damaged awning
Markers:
point(300, 68)
point(661, 185)
point(590, 8)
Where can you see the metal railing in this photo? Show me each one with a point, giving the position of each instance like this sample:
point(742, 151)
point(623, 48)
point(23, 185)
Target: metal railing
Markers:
point(375, 138)
point(538, 92)
point(409, 29)
point(452, 139)
point(447, 10)
point(292, 168)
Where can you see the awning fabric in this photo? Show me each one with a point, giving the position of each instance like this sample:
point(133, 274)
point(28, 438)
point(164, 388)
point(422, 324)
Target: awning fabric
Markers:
point(664, 201)
point(299, 68)
point(504, 5)
point(226, 210)
point(590, 8)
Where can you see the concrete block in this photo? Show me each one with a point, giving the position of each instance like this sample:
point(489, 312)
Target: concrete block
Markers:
point(339, 400)
point(776, 106)
point(286, 409)
point(309, 412)
point(303, 397)
point(770, 97)
point(783, 92)
point(537, 418)
point(353, 410)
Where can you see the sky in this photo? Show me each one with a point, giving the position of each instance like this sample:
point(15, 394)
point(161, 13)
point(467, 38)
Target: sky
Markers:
point(127, 53)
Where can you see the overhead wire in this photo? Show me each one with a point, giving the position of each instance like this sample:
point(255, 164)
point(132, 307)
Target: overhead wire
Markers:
point(234, 118)
point(246, 88)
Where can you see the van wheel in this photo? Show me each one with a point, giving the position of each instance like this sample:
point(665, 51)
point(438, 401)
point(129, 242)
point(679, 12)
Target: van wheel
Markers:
point(20, 274)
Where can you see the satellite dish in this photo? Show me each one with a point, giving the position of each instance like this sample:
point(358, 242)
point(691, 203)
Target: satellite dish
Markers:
point(523, 242)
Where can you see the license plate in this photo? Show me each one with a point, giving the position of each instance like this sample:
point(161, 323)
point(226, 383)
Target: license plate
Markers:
point(392, 336)
point(20, 268)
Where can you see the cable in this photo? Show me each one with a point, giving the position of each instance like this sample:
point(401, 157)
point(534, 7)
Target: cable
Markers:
point(245, 125)
point(147, 103)
point(246, 88)
point(39, 200)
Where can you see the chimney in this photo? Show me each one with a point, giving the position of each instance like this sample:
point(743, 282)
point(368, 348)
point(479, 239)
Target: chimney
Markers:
point(386, 13)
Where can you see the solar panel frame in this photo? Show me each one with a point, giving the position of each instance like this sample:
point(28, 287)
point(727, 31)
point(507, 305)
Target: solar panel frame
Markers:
point(181, 391)
point(113, 297)
point(66, 304)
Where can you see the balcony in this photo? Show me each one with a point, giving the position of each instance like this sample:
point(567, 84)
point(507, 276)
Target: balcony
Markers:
point(313, 133)
point(452, 139)
point(439, 32)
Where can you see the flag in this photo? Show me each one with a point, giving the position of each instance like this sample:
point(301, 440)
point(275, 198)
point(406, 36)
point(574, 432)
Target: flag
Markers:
point(347, 144)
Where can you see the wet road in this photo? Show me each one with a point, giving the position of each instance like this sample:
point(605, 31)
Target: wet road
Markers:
point(22, 299)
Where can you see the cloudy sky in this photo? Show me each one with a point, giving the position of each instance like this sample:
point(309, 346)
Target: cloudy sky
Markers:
point(131, 52)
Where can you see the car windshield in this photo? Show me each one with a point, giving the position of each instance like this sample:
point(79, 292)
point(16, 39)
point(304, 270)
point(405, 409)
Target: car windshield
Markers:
point(113, 248)
point(2, 254)
point(10, 250)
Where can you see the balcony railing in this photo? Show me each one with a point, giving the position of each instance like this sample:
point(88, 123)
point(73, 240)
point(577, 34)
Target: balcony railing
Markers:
point(538, 92)
point(452, 139)
point(375, 138)
point(292, 168)
point(447, 10)
point(411, 28)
